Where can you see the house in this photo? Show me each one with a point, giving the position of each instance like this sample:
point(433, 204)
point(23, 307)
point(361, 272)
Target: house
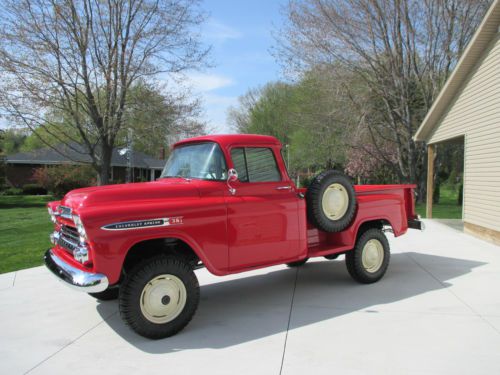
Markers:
point(467, 110)
point(20, 167)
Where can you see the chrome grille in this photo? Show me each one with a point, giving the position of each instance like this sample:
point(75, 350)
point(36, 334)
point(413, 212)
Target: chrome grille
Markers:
point(71, 232)
point(69, 238)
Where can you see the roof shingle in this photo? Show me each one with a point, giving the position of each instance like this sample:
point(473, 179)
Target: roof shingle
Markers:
point(78, 154)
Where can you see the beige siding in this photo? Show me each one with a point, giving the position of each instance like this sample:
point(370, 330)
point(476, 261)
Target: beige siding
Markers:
point(475, 114)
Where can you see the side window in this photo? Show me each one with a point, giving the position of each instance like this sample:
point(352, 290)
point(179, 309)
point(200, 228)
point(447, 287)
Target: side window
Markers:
point(238, 156)
point(255, 164)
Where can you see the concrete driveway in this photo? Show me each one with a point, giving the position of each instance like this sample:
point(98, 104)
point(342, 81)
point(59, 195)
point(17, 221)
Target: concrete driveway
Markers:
point(437, 311)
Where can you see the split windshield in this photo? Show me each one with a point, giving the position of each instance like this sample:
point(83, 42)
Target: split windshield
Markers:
point(202, 161)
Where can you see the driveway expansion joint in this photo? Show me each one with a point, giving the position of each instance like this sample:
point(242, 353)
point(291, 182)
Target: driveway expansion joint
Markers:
point(447, 288)
point(70, 343)
point(289, 319)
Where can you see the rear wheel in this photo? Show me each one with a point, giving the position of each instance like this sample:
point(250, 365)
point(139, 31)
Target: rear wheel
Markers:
point(159, 297)
point(368, 261)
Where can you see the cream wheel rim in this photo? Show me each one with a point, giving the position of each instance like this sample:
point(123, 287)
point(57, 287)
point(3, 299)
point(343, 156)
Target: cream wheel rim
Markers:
point(373, 255)
point(163, 299)
point(335, 201)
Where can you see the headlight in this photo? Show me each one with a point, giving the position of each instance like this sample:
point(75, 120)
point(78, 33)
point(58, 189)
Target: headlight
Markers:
point(80, 228)
point(52, 215)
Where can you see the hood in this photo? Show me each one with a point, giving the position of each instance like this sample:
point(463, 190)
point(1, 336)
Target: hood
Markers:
point(161, 189)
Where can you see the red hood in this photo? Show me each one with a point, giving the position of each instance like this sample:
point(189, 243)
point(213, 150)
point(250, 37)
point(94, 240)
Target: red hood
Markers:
point(161, 189)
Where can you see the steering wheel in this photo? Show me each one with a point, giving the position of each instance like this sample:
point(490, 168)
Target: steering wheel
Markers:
point(209, 174)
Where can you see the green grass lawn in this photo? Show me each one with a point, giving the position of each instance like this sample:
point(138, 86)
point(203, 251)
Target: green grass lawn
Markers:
point(24, 231)
point(447, 207)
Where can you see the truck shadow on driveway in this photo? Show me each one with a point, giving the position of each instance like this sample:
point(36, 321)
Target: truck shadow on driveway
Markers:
point(237, 311)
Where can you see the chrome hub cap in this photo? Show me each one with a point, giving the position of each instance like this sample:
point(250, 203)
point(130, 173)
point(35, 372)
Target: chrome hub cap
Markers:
point(372, 255)
point(163, 299)
point(335, 201)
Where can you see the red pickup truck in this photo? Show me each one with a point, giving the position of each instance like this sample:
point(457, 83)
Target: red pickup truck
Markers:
point(224, 202)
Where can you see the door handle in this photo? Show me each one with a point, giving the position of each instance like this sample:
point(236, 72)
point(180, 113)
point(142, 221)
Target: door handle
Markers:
point(284, 188)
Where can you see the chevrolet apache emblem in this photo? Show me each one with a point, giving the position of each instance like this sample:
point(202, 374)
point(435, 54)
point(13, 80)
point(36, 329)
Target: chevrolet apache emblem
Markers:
point(139, 224)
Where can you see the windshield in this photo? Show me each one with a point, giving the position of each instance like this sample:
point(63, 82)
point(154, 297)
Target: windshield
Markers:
point(202, 160)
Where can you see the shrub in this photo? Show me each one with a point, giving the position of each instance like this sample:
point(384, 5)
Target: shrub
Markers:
point(34, 189)
point(460, 198)
point(60, 179)
point(12, 191)
point(305, 180)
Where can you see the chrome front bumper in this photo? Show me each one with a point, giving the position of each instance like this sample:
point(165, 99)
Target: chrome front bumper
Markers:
point(73, 277)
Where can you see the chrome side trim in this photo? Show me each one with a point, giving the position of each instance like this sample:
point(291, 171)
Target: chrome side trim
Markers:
point(73, 277)
point(143, 224)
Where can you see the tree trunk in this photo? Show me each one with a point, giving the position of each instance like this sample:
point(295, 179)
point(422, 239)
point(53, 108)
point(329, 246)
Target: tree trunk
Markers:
point(105, 167)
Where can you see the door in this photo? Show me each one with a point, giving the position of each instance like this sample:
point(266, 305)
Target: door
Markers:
point(262, 214)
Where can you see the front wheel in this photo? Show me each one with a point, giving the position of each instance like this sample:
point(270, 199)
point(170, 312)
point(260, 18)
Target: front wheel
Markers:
point(159, 297)
point(368, 261)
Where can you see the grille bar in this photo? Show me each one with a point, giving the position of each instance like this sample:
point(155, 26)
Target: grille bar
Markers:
point(70, 232)
point(69, 238)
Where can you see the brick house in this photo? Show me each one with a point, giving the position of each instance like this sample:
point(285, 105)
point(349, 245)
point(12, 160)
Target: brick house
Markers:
point(19, 168)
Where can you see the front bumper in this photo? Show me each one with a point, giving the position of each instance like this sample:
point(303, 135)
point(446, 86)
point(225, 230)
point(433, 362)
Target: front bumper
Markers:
point(73, 277)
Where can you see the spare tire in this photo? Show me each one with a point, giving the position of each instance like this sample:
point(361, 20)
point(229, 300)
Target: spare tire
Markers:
point(331, 201)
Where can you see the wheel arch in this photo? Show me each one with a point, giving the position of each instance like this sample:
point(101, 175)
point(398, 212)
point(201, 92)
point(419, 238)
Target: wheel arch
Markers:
point(169, 244)
point(373, 223)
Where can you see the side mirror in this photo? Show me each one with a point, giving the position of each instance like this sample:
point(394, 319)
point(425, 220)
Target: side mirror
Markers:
point(232, 176)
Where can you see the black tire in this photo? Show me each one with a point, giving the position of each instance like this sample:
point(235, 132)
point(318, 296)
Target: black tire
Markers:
point(298, 263)
point(354, 258)
point(106, 295)
point(332, 256)
point(314, 198)
point(144, 275)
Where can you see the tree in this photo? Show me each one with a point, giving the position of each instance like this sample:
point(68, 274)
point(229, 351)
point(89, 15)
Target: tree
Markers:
point(2, 159)
point(153, 115)
point(310, 115)
point(238, 117)
point(12, 140)
point(79, 59)
point(403, 50)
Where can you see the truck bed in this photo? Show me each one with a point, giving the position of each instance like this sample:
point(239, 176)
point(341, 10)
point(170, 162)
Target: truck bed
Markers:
point(391, 206)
